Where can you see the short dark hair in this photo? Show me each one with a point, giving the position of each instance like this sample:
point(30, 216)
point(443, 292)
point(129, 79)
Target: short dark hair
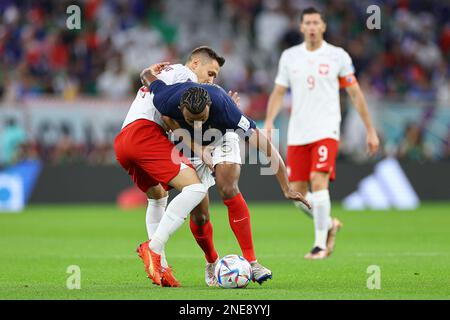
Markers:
point(209, 52)
point(195, 99)
point(311, 10)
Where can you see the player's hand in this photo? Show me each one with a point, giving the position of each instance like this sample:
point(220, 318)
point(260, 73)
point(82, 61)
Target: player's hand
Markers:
point(158, 67)
point(207, 157)
point(296, 196)
point(268, 127)
point(153, 70)
point(373, 143)
point(235, 97)
point(170, 123)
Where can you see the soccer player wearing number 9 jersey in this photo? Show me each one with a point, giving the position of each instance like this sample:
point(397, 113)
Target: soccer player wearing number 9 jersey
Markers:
point(315, 71)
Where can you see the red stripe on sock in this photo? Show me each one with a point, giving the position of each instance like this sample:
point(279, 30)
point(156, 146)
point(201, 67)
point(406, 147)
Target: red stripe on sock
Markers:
point(239, 218)
point(204, 237)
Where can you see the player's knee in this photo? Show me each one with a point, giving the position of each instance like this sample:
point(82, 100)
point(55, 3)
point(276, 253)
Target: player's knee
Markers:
point(157, 193)
point(197, 188)
point(199, 217)
point(228, 191)
point(319, 181)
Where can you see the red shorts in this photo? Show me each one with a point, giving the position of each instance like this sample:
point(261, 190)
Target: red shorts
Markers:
point(144, 151)
point(317, 156)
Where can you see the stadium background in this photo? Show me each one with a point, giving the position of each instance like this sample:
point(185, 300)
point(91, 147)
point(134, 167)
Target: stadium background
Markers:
point(64, 93)
point(68, 90)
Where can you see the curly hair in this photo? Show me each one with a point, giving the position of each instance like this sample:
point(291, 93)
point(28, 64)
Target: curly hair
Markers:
point(195, 99)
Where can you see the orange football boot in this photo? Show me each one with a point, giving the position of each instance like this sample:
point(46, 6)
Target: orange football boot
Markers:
point(168, 279)
point(152, 262)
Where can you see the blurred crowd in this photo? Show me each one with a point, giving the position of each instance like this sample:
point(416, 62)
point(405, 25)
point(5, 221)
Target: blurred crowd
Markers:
point(408, 59)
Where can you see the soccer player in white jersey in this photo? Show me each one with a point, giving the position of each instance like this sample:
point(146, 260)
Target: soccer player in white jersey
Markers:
point(315, 71)
point(203, 66)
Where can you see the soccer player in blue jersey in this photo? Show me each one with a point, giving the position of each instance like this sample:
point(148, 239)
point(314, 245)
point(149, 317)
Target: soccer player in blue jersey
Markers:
point(199, 108)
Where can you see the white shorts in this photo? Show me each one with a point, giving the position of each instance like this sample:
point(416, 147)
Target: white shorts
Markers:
point(225, 150)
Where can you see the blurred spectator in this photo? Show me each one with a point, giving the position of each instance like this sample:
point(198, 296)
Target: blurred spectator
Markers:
point(114, 82)
point(11, 139)
point(65, 150)
point(271, 24)
point(39, 56)
point(412, 147)
point(407, 59)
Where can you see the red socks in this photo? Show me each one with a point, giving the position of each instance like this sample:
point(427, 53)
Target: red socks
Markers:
point(239, 217)
point(204, 237)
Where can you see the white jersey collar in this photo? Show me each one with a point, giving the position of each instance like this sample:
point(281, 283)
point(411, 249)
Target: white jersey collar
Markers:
point(321, 48)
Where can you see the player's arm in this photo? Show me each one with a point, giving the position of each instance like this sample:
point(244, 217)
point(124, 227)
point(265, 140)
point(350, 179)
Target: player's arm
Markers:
point(282, 83)
point(259, 141)
point(203, 152)
point(359, 101)
point(274, 107)
point(234, 119)
point(149, 74)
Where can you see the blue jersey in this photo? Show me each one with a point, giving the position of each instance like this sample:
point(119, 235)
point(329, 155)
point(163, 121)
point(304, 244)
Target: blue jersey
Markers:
point(224, 115)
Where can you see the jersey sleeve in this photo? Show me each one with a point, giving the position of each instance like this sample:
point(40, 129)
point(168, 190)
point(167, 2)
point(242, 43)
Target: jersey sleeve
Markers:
point(160, 93)
point(183, 74)
point(235, 119)
point(157, 86)
point(346, 70)
point(176, 73)
point(282, 77)
point(168, 74)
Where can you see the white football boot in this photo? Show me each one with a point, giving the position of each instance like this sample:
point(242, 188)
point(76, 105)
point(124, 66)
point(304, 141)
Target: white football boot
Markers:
point(210, 277)
point(260, 273)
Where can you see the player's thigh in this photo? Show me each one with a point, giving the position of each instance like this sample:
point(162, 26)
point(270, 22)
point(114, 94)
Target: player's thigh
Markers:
point(165, 163)
point(227, 179)
point(227, 161)
point(324, 153)
point(185, 177)
point(227, 150)
point(299, 163)
point(200, 214)
point(151, 157)
point(203, 171)
point(157, 192)
point(140, 177)
point(319, 181)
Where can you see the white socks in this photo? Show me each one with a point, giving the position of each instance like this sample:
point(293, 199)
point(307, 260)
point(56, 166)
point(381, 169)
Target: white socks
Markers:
point(176, 213)
point(155, 212)
point(304, 208)
point(321, 208)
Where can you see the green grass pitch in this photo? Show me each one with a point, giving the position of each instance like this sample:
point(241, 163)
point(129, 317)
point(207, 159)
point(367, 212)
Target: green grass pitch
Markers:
point(411, 248)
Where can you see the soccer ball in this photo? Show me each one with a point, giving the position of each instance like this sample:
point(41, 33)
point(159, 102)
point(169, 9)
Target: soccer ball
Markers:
point(233, 271)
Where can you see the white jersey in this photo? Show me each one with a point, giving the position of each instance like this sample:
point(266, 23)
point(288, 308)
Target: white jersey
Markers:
point(314, 78)
point(142, 106)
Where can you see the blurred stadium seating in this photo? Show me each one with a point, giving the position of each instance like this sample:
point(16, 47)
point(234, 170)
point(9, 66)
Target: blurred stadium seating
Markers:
point(44, 67)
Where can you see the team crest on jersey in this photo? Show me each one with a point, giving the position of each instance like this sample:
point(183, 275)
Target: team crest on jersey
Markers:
point(226, 148)
point(244, 123)
point(324, 69)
